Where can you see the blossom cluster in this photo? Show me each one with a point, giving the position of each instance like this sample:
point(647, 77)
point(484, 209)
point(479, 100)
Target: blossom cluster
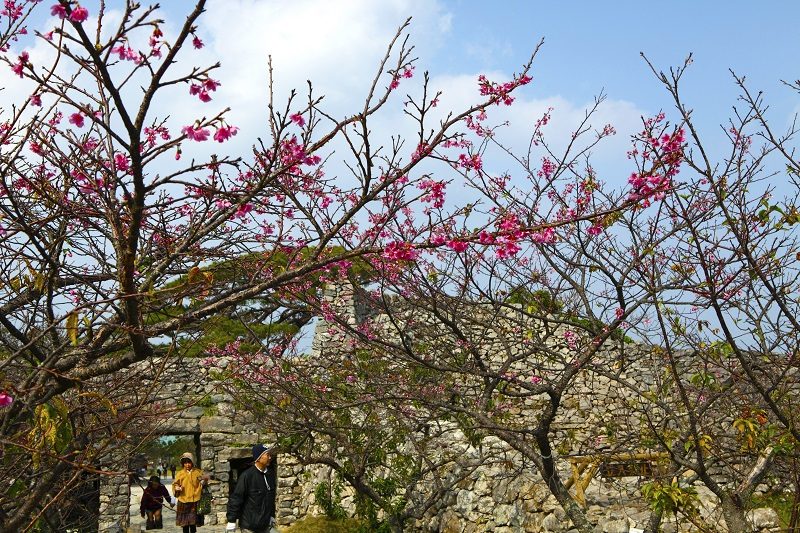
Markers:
point(78, 14)
point(407, 72)
point(22, 60)
point(433, 192)
point(501, 92)
point(203, 89)
point(12, 10)
point(126, 53)
point(200, 134)
point(665, 154)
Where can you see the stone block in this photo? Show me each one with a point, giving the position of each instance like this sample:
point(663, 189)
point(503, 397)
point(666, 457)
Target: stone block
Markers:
point(504, 514)
point(183, 425)
point(465, 499)
point(194, 411)
point(614, 526)
point(554, 524)
point(216, 424)
point(763, 518)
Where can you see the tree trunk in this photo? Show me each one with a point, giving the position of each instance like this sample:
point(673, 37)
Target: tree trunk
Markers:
point(395, 524)
point(654, 524)
point(557, 488)
point(733, 512)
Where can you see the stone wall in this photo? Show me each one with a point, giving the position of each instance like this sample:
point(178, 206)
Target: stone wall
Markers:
point(492, 497)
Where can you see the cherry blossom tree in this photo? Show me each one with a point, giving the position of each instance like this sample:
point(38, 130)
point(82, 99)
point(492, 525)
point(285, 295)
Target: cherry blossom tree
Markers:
point(550, 279)
point(723, 314)
point(121, 244)
point(491, 313)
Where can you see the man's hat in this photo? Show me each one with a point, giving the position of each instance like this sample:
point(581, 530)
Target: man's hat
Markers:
point(259, 449)
point(187, 457)
point(155, 479)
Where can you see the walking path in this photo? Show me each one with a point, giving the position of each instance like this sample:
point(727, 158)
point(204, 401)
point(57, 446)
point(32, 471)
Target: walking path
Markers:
point(137, 522)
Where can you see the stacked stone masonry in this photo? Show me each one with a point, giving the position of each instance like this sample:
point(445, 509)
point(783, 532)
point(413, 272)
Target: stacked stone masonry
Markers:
point(490, 499)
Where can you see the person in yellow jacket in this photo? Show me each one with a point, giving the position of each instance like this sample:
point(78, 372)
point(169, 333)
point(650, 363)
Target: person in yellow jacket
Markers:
point(187, 486)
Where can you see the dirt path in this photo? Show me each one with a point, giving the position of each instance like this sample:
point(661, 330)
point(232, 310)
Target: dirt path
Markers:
point(137, 522)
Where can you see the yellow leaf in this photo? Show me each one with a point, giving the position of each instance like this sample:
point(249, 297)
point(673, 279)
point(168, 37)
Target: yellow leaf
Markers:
point(72, 328)
point(38, 282)
point(194, 274)
point(108, 404)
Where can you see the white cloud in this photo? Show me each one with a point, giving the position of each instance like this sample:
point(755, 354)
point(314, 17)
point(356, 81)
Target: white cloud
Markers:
point(338, 45)
point(608, 157)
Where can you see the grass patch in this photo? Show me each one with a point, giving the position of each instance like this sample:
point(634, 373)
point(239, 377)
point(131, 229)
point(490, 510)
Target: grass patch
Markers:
point(782, 503)
point(323, 524)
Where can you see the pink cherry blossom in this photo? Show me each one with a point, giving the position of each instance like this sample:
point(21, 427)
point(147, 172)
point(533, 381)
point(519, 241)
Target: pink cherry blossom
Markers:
point(151, 135)
point(571, 338)
point(79, 14)
point(197, 43)
point(507, 247)
point(224, 133)
point(293, 152)
point(545, 236)
point(35, 100)
point(457, 245)
point(5, 399)
point(57, 10)
point(548, 168)
point(470, 162)
point(77, 119)
point(422, 150)
point(400, 251)
point(243, 210)
point(12, 10)
point(434, 192)
point(501, 92)
point(22, 60)
point(122, 162)
point(155, 41)
point(89, 145)
point(126, 53)
point(298, 119)
point(202, 89)
point(509, 223)
point(595, 229)
point(195, 133)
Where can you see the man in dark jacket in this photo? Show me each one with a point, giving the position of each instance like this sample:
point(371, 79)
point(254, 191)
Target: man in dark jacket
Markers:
point(252, 503)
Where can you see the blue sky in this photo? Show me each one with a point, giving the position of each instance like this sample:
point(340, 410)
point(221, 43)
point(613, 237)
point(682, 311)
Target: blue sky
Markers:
point(589, 46)
point(592, 45)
